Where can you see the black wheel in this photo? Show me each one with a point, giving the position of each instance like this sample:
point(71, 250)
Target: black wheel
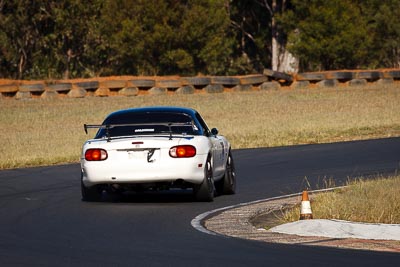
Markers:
point(227, 185)
point(205, 190)
point(92, 193)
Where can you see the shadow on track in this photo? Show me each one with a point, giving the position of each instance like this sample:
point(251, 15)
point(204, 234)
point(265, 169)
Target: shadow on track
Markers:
point(167, 196)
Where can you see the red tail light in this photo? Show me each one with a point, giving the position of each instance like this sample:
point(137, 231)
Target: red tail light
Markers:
point(96, 154)
point(185, 151)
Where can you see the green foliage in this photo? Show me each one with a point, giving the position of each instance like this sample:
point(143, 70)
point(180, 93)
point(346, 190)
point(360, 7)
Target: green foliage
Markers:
point(71, 38)
point(165, 37)
point(49, 39)
point(18, 35)
point(383, 20)
point(327, 34)
point(344, 34)
point(251, 25)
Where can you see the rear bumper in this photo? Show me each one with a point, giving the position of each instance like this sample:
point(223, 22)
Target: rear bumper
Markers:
point(190, 170)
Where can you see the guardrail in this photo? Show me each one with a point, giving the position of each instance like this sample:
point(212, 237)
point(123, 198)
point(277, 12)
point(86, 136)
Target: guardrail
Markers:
point(133, 85)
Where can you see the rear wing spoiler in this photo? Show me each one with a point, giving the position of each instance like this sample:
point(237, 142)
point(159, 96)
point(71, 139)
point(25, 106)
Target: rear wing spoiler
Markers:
point(107, 127)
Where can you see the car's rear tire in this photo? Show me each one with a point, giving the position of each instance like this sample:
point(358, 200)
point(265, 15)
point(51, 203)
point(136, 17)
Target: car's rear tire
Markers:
point(227, 185)
point(92, 193)
point(205, 191)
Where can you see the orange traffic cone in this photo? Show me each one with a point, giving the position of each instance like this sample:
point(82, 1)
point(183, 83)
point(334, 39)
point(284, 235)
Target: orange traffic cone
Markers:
point(305, 209)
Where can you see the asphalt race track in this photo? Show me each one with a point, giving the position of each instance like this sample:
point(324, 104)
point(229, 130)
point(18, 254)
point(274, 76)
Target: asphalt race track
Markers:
point(44, 223)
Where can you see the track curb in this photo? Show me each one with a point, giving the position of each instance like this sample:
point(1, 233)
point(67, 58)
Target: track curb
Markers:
point(238, 221)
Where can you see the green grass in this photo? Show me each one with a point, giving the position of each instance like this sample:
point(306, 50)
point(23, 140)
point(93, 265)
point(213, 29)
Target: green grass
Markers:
point(43, 132)
point(372, 201)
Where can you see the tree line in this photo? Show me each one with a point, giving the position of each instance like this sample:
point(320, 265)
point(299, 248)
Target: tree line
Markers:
point(49, 39)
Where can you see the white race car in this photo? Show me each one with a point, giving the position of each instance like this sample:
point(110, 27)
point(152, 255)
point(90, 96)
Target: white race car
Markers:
point(155, 148)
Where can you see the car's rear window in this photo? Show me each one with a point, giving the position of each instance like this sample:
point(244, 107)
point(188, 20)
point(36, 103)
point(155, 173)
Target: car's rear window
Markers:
point(148, 123)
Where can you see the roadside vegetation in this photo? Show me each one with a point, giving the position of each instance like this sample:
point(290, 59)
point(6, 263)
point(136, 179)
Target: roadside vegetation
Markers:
point(42, 132)
point(76, 39)
point(371, 201)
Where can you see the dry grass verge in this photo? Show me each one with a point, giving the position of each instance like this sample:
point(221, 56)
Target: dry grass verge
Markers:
point(371, 201)
point(42, 132)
